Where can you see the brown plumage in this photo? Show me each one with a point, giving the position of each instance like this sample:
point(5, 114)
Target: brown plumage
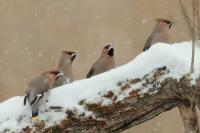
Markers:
point(38, 89)
point(160, 33)
point(104, 63)
point(65, 66)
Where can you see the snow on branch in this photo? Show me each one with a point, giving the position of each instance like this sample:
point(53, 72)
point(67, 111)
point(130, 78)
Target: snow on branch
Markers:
point(154, 82)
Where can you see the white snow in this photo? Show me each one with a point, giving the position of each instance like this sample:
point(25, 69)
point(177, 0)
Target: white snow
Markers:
point(177, 58)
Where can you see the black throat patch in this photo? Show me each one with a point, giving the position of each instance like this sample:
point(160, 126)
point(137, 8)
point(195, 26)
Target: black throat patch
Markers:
point(111, 52)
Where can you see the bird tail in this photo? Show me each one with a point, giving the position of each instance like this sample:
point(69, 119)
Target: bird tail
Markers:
point(25, 98)
point(144, 49)
point(34, 116)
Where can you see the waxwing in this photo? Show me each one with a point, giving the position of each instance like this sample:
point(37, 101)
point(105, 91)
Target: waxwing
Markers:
point(104, 63)
point(65, 66)
point(38, 90)
point(160, 33)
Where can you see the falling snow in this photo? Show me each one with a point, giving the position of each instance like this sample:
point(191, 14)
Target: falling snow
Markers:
point(144, 21)
point(15, 116)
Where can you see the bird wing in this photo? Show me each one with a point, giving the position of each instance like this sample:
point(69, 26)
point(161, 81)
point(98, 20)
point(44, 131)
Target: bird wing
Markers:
point(37, 89)
point(37, 98)
point(26, 96)
point(92, 70)
point(148, 43)
point(90, 73)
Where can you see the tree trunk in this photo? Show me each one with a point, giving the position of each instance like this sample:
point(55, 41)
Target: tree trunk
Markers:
point(189, 117)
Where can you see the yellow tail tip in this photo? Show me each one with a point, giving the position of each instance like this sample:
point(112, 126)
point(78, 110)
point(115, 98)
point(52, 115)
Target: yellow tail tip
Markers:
point(35, 118)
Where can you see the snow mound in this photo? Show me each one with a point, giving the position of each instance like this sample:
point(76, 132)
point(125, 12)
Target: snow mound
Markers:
point(177, 57)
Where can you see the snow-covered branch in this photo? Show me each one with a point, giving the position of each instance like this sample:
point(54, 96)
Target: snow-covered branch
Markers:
point(154, 82)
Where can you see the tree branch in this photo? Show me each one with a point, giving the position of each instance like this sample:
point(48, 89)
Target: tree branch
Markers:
point(189, 117)
point(111, 102)
point(135, 109)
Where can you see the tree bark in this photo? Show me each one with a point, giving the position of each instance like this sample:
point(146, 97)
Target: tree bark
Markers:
point(189, 117)
point(163, 94)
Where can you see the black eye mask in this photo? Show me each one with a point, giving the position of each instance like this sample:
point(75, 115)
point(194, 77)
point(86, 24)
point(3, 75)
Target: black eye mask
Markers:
point(68, 52)
point(168, 22)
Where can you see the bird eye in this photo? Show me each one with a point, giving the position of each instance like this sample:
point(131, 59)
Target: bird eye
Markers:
point(168, 22)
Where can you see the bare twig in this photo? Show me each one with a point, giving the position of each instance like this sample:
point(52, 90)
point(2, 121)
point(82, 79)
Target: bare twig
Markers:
point(186, 16)
point(193, 26)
